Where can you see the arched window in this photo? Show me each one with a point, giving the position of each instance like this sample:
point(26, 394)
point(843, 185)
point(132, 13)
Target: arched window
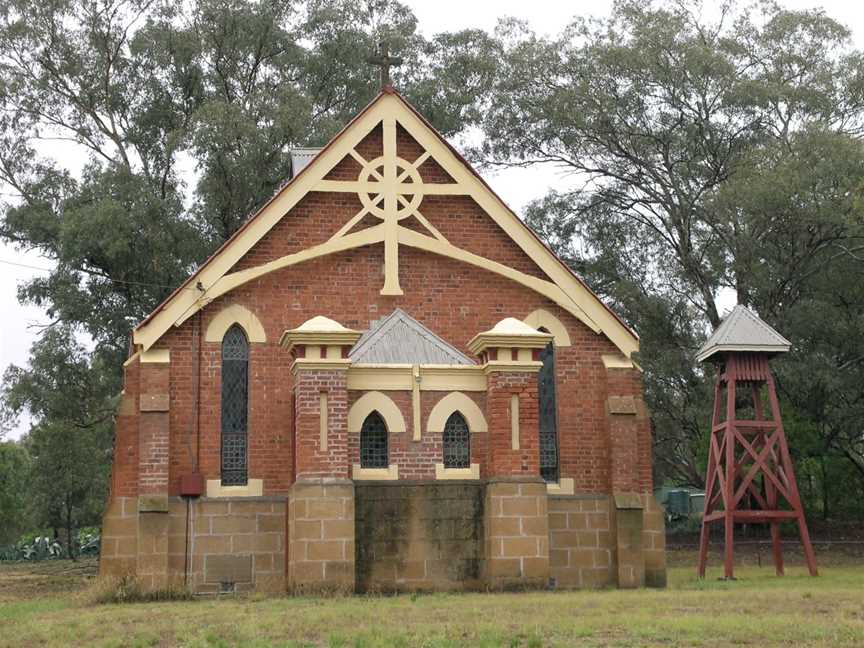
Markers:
point(457, 442)
point(235, 406)
point(548, 406)
point(373, 442)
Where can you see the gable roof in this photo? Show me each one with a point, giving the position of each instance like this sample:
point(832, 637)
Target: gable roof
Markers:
point(400, 339)
point(214, 278)
point(743, 330)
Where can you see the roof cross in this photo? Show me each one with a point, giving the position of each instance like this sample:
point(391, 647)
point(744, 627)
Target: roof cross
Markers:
point(383, 60)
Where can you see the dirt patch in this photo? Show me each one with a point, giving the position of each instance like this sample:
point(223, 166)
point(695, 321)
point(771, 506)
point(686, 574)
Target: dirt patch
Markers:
point(27, 580)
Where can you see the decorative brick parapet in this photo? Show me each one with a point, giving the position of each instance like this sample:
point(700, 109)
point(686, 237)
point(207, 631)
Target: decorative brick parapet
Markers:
point(516, 521)
point(581, 541)
point(321, 535)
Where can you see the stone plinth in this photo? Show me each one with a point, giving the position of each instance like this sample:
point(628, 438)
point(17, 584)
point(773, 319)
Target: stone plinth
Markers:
point(517, 533)
point(321, 535)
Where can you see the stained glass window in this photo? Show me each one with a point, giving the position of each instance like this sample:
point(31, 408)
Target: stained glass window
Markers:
point(457, 442)
point(373, 443)
point(235, 406)
point(548, 416)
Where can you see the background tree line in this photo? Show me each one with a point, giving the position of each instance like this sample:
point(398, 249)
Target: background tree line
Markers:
point(709, 156)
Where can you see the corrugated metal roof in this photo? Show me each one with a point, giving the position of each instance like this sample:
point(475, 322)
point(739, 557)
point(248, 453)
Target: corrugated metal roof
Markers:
point(400, 339)
point(742, 330)
point(300, 157)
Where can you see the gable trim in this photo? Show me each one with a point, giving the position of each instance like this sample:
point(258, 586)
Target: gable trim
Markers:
point(388, 108)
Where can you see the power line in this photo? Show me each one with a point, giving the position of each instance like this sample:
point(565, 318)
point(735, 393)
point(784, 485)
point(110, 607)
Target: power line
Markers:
point(94, 274)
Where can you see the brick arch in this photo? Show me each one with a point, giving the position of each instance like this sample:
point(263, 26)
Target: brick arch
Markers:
point(235, 314)
point(376, 401)
point(456, 402)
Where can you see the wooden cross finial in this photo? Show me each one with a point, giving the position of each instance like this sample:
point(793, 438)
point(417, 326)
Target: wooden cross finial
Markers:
point(384, 61)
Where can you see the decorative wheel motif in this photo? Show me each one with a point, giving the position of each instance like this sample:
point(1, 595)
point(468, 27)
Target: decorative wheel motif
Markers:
point(406, 189)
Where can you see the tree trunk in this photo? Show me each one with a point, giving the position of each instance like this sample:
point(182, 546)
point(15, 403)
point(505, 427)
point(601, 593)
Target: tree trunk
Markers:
point(70, 544)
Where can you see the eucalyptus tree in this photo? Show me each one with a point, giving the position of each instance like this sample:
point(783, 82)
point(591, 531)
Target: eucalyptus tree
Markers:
point(712, 151)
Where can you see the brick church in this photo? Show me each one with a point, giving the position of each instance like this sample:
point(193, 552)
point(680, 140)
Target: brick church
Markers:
point(383, 381)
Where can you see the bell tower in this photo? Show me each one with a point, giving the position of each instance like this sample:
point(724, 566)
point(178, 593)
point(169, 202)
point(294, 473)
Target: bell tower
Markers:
point(750, 475)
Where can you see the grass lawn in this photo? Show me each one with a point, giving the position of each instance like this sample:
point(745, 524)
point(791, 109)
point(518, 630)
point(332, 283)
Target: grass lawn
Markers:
point(41, 606)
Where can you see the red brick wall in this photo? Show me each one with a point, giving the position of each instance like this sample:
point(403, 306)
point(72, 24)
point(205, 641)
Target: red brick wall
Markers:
point(153, 432)
point(124, 471)
point(503, 460)
point(417, 459)
point(312, 461)
point(453, 299)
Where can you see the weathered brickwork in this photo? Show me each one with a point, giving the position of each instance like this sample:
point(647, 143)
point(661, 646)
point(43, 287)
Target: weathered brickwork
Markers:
point(169, 426)
point(311, 459)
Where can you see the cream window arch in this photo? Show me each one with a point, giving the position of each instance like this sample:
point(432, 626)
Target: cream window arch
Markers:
point(456, 402)
point(541, 318)
point(235, 314)
point(375, 401)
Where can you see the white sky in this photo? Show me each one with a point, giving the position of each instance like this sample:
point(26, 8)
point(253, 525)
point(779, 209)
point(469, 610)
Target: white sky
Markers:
point(516, 186)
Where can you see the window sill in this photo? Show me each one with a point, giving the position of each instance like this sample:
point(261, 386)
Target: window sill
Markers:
point(564, 486)
point(253, 488)
point(457, 473)
point(391, 473)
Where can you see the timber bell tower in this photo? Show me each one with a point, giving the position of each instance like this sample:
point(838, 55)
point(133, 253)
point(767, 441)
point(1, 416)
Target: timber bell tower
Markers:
point(750, 475)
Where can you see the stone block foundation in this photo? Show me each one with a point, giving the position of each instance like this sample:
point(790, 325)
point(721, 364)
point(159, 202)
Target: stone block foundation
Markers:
point(332, 535)
point(321, 532)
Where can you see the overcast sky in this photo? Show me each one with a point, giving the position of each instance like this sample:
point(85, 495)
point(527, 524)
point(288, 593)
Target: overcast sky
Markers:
point(516, 186)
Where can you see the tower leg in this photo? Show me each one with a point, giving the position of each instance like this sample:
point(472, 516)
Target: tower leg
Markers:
point(729, 548)
point(703, 550)
point(805, 543)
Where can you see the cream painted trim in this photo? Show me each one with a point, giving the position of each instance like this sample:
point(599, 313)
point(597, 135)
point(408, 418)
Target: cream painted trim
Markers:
point(391, 473)
point(497, 365)
point(452, 402)
point(390, 109)
point(253, 488)
point(592, 309)
point(514, 421)
point(565, 486)
point(375, 402)
point(415, 402)
point(235, 314)
point(156, 356)
point(457, 473)
point(617, 362)
point(131, 359)
point(542, 318)
point(323, 417)
point(304, 364)
point(399, 377)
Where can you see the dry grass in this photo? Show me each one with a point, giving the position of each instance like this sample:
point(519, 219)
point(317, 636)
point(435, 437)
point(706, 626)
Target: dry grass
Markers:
point(758, 610)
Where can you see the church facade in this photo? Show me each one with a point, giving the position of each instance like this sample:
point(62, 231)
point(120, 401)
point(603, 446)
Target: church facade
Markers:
point(383, 381)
